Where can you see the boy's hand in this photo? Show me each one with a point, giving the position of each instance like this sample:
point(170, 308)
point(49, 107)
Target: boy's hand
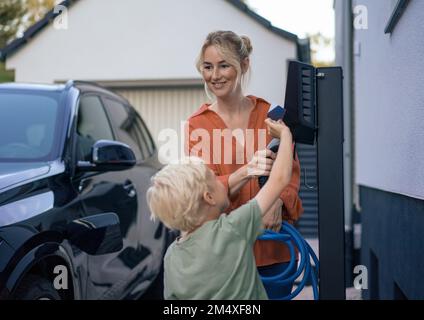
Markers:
point(277, 128)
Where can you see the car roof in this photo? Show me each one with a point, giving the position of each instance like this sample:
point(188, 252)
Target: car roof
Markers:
point(86, 86)
point(32, 86)
point(83, 86)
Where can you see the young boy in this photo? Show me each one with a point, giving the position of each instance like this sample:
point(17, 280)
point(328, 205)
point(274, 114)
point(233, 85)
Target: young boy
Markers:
point(213, 258)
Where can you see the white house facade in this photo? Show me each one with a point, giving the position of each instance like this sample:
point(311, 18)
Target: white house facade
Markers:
point(146, 51)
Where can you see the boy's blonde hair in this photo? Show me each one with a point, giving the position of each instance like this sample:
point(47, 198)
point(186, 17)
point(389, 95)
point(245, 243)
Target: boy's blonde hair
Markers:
point(176, 193)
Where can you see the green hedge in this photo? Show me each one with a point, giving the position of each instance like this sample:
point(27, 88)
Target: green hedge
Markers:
point(6, 76)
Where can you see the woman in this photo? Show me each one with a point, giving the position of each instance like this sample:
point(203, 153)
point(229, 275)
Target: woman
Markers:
point(230, 135)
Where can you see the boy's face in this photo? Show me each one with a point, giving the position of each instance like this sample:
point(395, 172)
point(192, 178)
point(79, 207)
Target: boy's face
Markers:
point(218, 192)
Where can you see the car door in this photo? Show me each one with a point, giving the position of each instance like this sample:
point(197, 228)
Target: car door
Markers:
point(149, 236)
point(109, 274)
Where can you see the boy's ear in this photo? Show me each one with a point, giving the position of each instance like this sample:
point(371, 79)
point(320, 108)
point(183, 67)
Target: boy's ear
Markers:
point(207, 196)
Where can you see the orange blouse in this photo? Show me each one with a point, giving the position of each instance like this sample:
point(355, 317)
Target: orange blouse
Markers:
point(266, 252)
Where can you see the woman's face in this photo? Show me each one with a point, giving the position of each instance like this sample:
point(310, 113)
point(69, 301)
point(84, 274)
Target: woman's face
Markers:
point(219, 75)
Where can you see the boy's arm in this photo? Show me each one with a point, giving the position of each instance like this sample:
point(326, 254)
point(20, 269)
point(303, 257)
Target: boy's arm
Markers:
point(281, 170)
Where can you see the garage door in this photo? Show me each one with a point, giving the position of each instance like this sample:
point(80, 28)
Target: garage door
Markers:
point(163, 108)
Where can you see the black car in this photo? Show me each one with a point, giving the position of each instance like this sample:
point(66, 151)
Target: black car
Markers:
point(75, 164)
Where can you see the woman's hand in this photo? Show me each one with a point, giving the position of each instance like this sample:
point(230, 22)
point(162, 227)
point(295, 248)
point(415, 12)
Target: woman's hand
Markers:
point(273, 218)
point(261, 163)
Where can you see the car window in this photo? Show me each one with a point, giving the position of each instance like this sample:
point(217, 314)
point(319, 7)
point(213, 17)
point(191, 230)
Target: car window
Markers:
point(147, 137)
point(28, 125)
point(131, 129)
point(92, 125)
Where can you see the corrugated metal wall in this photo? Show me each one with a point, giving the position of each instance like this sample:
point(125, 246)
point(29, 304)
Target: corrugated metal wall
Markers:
point(308, 222)
point(163, 108)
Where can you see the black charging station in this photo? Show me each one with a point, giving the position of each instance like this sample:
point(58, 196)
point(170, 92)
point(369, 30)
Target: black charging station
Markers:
point(314, 114)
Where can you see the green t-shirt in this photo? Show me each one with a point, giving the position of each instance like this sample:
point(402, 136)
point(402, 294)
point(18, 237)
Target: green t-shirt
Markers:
point(216, 261)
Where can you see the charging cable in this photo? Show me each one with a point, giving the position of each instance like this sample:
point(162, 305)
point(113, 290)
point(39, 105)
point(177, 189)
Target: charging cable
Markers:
point(291, 237)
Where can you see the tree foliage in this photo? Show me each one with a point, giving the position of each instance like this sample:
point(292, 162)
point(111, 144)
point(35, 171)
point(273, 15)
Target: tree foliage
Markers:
point(18, 15)
point(36, 9)
point(320, 42)
point(11, 13)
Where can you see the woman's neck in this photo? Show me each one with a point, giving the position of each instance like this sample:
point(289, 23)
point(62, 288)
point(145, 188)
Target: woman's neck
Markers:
point(232, 106)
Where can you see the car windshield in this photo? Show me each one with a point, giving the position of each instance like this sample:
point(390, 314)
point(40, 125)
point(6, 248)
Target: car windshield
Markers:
point(28, 125)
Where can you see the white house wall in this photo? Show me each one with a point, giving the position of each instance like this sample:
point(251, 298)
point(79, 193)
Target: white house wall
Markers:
point(143, 40)
point(389, 100)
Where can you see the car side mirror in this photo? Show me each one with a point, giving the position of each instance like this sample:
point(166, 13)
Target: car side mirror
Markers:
point(109, 155)
point(96, 234)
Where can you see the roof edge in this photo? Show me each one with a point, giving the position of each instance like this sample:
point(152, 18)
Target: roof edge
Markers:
point(264, 22)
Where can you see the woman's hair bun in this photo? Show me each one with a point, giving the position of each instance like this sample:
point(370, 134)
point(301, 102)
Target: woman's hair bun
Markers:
point(247, 44)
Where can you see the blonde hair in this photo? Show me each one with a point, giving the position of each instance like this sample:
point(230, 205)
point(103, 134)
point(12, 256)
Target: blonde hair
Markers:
point(233, 48)
point(176, 193)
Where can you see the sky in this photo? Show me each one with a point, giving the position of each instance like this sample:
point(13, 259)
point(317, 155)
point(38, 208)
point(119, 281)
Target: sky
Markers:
point(299, 17)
